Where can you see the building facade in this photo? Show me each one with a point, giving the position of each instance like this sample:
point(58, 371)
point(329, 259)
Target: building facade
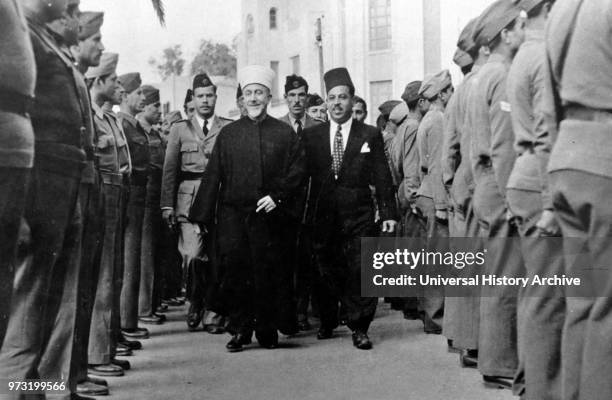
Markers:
point(384, 43)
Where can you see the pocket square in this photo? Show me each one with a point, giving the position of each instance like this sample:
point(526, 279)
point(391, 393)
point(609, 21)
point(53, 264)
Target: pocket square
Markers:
point(365, 148)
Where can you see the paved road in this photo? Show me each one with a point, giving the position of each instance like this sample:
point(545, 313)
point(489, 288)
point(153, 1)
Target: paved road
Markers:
point(405, 364)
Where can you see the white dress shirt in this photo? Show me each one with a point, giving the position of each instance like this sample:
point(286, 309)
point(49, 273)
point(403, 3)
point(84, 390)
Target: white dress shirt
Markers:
point(201, 122)
point(333, 128)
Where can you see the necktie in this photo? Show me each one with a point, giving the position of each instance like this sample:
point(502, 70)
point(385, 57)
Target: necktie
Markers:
point(338, 152)
point(205, 127)
point(299, 128)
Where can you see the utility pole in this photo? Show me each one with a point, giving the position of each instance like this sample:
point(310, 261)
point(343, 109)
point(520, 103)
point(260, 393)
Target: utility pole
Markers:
point(319, 42)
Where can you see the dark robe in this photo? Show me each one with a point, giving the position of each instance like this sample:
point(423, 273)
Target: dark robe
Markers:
point(249, 161)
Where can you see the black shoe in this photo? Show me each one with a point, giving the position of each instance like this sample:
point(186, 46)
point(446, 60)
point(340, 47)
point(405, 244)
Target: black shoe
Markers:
point(194, 317)
point(497, 382)
point(267, 341)
point(174, 302)
point(131, 344)
point(138, 333)
point(104, 370)
point(162, 317)
point(304, 325)
point(361, 340)
point(214, 329)
point(468, 361)
point(161, 308)
point(124, 364)
point(150, 319)
point(91, 389)
point(123, 351)
point(325, 333)
point(451, 348)
point(97, 381)
point(235, 344)
point(411, 315)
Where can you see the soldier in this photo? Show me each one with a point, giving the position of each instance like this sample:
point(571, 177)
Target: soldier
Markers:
point(188, 105)
point(541, 310)
point(189, 147)
point(579, 95)
point(492, 157)
point(360, 109)
point(17, 78)
point(341, 206)
point(249, 210)
point(111, 151)
point(296, 93)
point(37, 326)
point(138, 142)
point(316, 108)
point(431, 201)
point(150, 274)
point(87, 52)
point(461, 313)
point(405, 161)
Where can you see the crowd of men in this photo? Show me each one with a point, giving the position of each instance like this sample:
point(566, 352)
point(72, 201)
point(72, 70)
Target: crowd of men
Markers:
point(110, 215)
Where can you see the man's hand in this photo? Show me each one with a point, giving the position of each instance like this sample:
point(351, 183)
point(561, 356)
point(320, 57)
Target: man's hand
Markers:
point(548, 224)
point(266, 204)
point(169, 217)
point(442, 214)
point(388, 226)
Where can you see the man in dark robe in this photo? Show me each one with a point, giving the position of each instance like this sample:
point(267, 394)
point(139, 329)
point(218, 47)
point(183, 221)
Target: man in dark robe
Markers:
point(254, 173)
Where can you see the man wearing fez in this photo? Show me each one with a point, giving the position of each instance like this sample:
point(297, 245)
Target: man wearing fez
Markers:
point(492, 157)
point(188, 105)
point(296, 92)
point(132, 103)
point(113, 161)
point(40, 332)
point(316, 108)
point(344, 157)
point(462, 314)
point(250, 210)
point(150, 276)
point(190, 144)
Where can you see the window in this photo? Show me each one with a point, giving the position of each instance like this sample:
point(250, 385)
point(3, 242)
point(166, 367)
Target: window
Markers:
point(380, 91)
point(273, 12)
point(295, 62)
point(250, 25)
point(380, 24)
point(274, 67)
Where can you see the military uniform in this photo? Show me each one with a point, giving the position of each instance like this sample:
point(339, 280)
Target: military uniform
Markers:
point(18, 76)
point(491, 158)
point(52, 212)
point(541, 310)
point(579, 92)
point(187, 155)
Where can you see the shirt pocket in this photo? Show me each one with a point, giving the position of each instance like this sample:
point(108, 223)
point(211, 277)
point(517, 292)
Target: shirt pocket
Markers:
point(190, 154)
point(106, 141)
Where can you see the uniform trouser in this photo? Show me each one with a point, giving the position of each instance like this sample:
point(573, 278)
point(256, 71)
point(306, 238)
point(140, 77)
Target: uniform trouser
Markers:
point(497, 346)
point(541, 309)
point(304, 273)
point(151, 232)
point(338, 263)
point(462, 314)
point(102, 341)
point(431, 302)
point(134, 243)
point(42, 311)
point(118, 284)
point(412, 227)
point(13, 192)
point(250, 256)
point(92, 203)
point(170, 263)
point(581, 201)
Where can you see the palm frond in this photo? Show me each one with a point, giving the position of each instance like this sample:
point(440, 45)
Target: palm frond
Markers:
point(158, 6)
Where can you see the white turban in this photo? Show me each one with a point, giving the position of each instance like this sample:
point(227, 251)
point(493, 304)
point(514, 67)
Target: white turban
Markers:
point(256, 74)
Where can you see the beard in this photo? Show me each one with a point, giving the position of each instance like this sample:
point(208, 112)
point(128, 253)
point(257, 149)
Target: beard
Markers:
point(255, 111)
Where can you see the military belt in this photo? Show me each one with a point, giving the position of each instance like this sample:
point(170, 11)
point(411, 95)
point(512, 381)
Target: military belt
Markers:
point(15, 102)
point(110, 178)
point(190, 176)
point(587, 114)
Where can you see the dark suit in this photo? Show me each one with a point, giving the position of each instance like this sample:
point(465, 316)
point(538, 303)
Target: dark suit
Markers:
point(342, 212)
point(309, 121)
